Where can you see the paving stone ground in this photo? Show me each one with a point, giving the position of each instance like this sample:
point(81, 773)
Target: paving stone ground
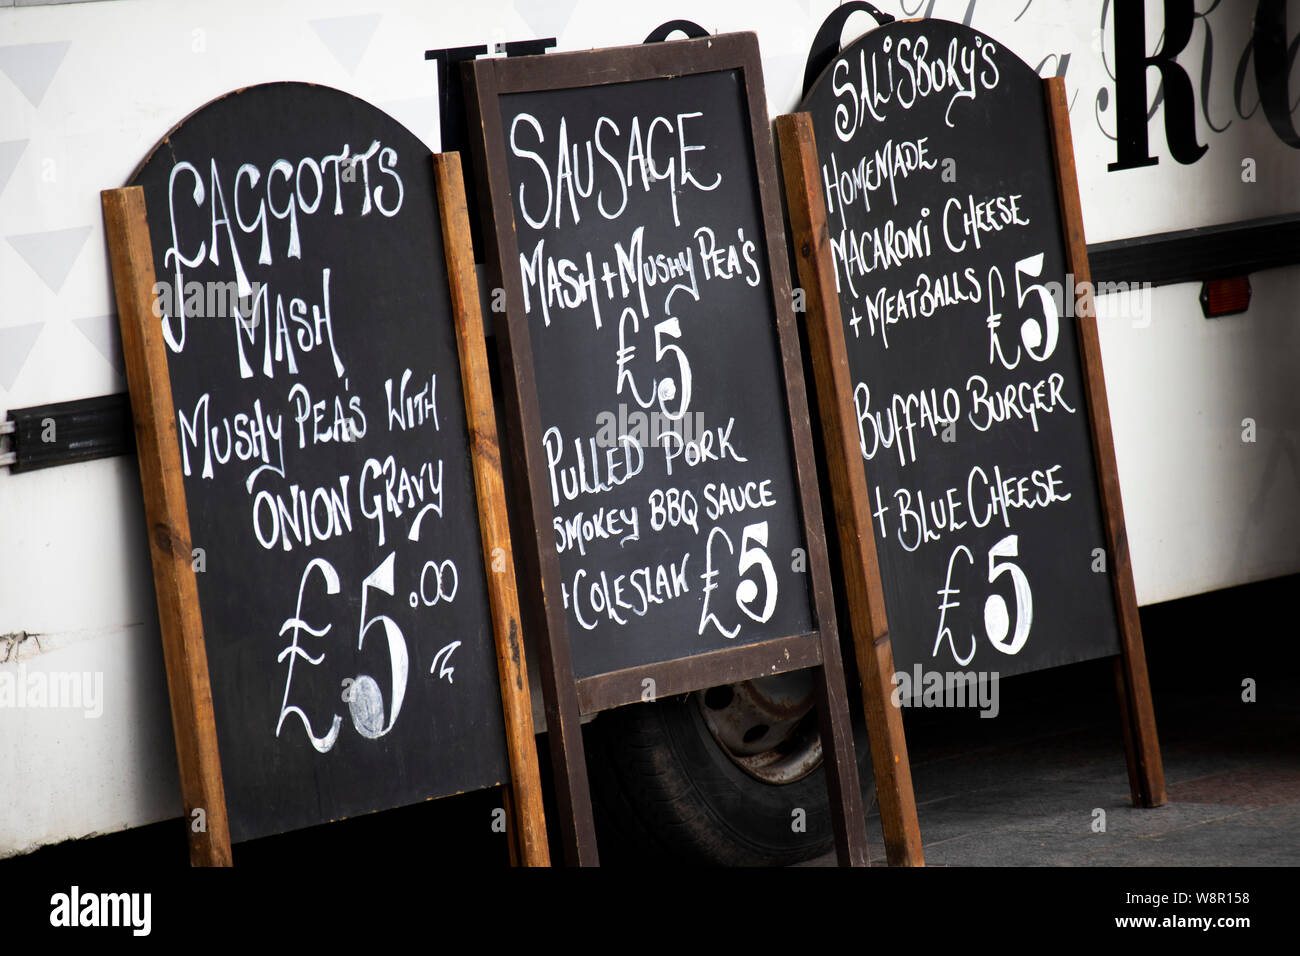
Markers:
point(1025, 788)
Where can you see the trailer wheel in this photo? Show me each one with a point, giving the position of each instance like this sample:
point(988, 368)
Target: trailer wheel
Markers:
point(730, 776)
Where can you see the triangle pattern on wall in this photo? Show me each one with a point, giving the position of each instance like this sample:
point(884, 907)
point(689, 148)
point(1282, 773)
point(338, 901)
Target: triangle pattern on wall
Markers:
point(31, 67)
point(106, 336)
point(51, 254)
point(545, 17)
point(16, 343)
point(347, 37)
point(10, 152)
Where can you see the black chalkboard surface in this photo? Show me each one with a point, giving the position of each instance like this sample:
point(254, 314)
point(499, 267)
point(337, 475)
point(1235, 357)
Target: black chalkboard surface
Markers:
point(646, 281)
point(654, 394)
point(303, 291)
point(937, 172)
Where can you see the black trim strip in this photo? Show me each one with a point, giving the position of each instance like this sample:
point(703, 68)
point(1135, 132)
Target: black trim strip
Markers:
point(1195, 255)
point(80, 430)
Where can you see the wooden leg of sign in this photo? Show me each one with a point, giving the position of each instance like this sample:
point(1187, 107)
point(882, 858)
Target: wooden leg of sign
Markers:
point(516, 840)
point(573, 808)
point(546, 621)
point(1126, 731)
point(1146, 770)
point(577, 822)
point(538, 564)
point(840, 758)
point(1146, 767)
point(524, 804)
point(848, 484)
point(131, 256)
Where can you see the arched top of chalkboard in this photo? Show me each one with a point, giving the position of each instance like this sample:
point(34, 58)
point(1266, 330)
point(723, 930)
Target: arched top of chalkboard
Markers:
point(277, 96)
point(896, 42)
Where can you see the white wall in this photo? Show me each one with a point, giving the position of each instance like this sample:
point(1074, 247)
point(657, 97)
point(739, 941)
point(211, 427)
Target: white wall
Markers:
point(87, 89)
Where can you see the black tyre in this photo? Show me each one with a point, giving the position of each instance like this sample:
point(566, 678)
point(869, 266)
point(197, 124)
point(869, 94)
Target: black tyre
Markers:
point(727, 777)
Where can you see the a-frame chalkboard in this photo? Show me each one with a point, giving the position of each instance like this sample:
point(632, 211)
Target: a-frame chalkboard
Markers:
point(317, 444)
point(937, 230)
point(655, 395)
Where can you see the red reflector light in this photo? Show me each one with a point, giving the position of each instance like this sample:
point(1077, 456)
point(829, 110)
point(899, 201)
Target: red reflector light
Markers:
point(1225, 296)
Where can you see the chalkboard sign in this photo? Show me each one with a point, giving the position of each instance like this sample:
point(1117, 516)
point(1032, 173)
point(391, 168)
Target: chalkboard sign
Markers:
point(664, 470)
point(942, 245)
point(658, 401)
point(300, 330)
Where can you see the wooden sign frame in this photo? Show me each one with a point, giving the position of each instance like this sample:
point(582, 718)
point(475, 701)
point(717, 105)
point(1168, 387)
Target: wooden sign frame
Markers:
point(569, 699)
point(166, 513)
point(811, 235)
